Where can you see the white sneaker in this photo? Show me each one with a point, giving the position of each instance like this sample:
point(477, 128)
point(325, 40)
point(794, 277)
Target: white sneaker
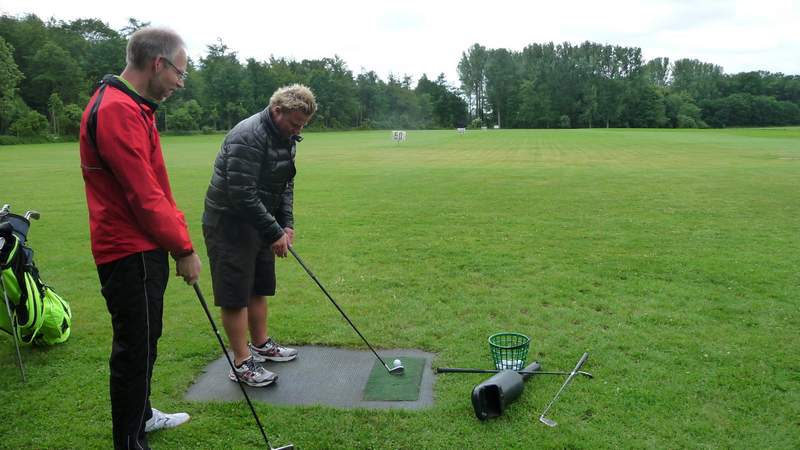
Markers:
point(162, 420)
point(252, 374)
point(272, 351)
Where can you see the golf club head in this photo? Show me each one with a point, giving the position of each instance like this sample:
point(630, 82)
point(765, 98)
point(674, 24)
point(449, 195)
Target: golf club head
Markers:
point(549, 422)
point(5, 209)
point(586, 374)
point(285, 447)
point(32, 215)
point(396, 370)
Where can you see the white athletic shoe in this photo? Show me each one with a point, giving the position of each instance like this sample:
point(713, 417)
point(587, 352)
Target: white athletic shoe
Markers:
point(252, 374)
point(272, 351)
point(162, 420)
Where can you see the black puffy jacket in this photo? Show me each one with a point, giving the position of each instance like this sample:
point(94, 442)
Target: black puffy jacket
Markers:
point(253, 177)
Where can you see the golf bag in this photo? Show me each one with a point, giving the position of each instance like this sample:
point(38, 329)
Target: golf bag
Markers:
point(490, 398)
point(32, 312)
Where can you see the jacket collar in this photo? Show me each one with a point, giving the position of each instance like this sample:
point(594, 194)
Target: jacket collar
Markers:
point(270, 125)
point(273, 130)
point(112, 80)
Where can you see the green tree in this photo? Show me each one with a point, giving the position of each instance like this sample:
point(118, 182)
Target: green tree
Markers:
point(402, 106)
point(643, 106)
point(472, 73)
point(55, 108)
point(10, 76)
point(371, 100)
point(71, 120)
point(29, 124)
point(501, 83)
point(133, 26)
point(588, 106)
point(259, 83)
point(682, 112)
point(700, 80)
point(335, 90)
point(535, 110)
point(657, 72)
point(26, 36)
point(448, 109)
point(54, 70)
point(101, 51)
point(223, 85)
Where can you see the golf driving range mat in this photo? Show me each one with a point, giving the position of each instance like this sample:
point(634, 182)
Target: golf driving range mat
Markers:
point(329, 376)
point(382, 385)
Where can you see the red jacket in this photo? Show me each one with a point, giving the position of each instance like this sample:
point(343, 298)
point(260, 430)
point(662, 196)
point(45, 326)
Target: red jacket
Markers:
point(130, 202)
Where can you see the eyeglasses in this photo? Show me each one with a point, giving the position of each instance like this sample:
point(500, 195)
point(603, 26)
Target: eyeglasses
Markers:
point(182, 74)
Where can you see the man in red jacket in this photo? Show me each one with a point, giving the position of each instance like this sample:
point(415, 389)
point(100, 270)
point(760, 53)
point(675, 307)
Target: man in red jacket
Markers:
point(134, 222)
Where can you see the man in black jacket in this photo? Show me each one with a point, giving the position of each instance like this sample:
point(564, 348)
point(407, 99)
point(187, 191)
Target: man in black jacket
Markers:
point(248, 220)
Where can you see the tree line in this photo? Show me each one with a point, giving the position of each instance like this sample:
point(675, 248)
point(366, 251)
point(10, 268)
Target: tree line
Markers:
point(49, 69)
point(594, 85)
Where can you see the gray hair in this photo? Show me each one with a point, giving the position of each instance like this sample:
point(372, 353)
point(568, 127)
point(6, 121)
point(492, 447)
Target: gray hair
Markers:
point(149, 43)
point(294, 98)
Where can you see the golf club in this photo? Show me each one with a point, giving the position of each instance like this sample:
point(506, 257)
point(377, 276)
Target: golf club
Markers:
point(398, 369)
point(521, 372)
point(32, 215)
point(11, 319)
point(551, 422)
point(239, 381)
point(5, 209)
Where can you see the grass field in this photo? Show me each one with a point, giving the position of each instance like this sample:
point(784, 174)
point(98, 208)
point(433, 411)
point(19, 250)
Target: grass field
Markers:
point(673, 257)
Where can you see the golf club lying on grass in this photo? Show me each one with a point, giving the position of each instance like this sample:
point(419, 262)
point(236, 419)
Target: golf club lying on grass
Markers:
point(521, 372)
point(551, 422)
point(239, 381)
point(397, 369)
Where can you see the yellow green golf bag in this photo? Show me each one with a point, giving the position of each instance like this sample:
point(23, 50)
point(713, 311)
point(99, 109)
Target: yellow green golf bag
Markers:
point(33, 313)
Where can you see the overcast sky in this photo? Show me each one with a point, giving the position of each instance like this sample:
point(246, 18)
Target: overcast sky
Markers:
point(412, 37)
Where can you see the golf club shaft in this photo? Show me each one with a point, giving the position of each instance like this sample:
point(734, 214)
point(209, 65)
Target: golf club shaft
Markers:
point(569, 378)
point(225, 352)
point(521, 372)
point(13, 324)
point(314, 277)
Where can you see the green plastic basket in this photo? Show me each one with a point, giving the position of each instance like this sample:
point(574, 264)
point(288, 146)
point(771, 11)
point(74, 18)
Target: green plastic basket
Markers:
point(509, 350)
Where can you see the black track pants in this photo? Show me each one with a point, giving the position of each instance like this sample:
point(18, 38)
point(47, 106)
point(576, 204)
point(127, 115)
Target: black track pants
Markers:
point(133, 287)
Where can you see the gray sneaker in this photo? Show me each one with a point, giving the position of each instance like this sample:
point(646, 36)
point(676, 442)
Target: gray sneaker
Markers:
point(272, 351)
point(252, 374)
point(162, 420)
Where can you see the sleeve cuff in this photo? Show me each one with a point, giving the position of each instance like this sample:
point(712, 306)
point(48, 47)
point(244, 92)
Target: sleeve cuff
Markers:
point(182, 254)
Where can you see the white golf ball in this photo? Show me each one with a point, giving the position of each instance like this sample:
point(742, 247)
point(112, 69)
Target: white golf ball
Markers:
point(396, 362)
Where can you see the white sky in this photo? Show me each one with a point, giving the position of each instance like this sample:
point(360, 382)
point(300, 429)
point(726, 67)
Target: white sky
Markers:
point(412, 37)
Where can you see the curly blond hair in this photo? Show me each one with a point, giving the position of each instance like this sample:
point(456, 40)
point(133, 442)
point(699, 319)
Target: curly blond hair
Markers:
point(294, 98)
